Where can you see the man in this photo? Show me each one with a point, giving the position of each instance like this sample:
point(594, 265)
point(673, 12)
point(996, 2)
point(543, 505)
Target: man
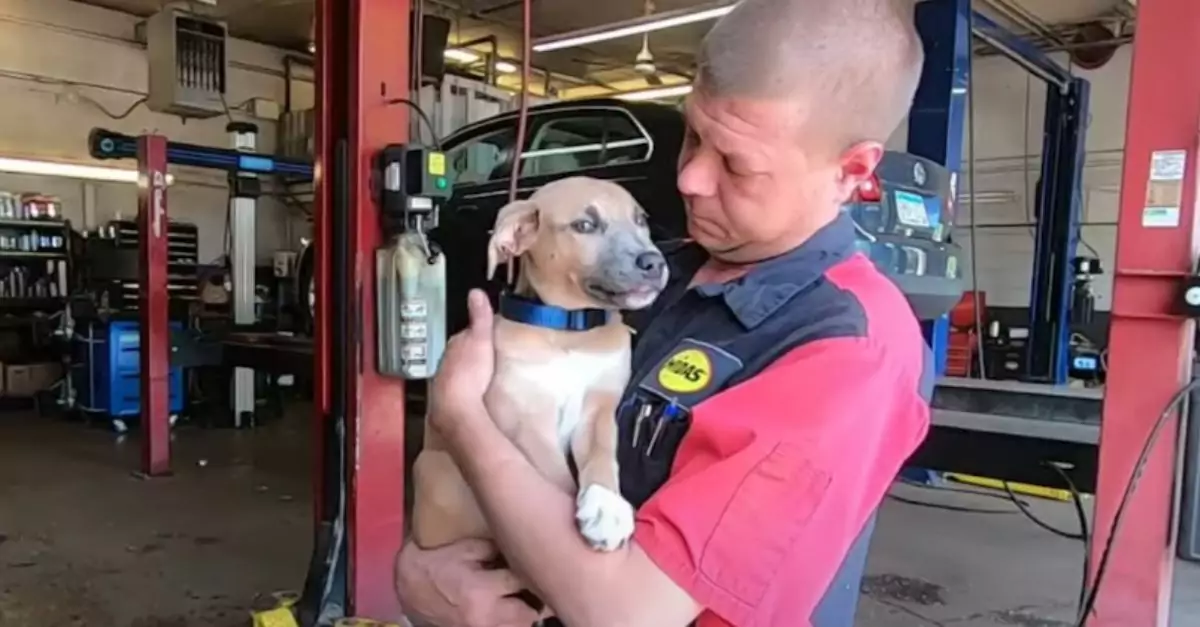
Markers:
point(812, 386)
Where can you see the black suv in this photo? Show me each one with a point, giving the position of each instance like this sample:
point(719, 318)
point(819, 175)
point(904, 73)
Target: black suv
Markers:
point(637, 145)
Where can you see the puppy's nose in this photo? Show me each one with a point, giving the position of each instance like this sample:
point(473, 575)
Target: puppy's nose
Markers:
point(652, 263)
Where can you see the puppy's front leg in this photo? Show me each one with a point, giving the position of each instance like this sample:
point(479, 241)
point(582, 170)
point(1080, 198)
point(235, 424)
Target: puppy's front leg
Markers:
point(605, 518)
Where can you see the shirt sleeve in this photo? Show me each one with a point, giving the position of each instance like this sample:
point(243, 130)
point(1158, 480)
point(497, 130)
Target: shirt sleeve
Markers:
point(777, 477)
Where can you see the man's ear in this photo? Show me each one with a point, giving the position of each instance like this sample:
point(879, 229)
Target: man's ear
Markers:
point(856, 165)
point(516, 229)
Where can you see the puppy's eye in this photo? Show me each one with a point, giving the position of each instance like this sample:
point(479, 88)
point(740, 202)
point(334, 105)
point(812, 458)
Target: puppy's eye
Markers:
point(639, 218)
point(584, 226)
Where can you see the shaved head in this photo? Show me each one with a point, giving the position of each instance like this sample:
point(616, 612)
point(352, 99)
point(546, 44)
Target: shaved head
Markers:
point(852, 65)
point(793, 102)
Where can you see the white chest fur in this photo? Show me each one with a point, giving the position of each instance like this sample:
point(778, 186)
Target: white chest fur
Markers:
point(565, 380)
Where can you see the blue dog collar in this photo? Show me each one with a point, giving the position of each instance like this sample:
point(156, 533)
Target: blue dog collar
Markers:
point(531, 312)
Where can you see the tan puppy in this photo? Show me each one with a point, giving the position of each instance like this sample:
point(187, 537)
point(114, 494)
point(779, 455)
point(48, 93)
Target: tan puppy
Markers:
point(583, 244)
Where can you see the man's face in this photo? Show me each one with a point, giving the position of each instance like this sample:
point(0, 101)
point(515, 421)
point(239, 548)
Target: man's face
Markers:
point(755, 185)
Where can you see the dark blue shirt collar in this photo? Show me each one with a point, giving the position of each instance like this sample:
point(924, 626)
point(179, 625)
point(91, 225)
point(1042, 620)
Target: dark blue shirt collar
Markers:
point(772, 283)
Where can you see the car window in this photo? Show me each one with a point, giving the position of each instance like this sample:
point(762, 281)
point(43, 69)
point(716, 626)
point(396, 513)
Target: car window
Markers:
point(487, 157)
point(568, 144)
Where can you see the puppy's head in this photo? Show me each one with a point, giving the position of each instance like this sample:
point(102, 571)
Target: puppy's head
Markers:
point(583, 243)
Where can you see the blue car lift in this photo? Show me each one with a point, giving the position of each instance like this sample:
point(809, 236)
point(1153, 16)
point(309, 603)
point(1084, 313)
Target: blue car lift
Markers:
point(153, 154)
point(968, 435)
point(936, 131)
point(104, 144)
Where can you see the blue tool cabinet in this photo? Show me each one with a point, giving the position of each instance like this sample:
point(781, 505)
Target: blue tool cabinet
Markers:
point(106, 371)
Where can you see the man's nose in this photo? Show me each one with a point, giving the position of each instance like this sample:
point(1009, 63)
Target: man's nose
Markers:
point(651, 263)
point(696, 176)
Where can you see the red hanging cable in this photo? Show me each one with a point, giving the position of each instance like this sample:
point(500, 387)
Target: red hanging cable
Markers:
point(522, 119)
point(418, 48)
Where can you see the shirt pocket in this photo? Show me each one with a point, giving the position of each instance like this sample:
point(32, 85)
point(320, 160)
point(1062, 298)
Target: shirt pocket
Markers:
point(762, 520)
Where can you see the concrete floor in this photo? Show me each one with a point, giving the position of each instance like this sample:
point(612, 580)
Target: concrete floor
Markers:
point(85, 543)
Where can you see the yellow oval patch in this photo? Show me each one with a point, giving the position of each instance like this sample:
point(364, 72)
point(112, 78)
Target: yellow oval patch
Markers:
point(686, 372)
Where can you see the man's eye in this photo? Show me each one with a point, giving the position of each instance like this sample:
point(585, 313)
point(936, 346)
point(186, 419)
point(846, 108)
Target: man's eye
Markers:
point(734, 167)
point(584, 226)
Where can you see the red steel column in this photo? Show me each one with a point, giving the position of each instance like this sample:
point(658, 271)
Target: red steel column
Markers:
point(1150, 344)
point(155, 339)
point(361, 74)
point(325, 66)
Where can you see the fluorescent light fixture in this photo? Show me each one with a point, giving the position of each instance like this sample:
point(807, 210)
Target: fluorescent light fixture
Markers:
point(638, 26)
point(660, 93)
point(460, 55)
point(504, 67)
point(70, 170)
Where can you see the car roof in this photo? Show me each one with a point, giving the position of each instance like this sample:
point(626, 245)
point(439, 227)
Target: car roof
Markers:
point(648, 113)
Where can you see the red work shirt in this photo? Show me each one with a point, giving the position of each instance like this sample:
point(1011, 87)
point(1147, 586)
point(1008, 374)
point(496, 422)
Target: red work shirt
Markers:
point(778, 475)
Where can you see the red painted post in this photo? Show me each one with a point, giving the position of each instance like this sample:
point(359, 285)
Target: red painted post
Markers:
point(377, 435)
point(1150, 345)
point(362, 73)
point(155, 339)
point(326, 65)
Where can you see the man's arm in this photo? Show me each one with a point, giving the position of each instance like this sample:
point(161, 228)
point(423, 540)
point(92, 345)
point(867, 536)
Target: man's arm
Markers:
point(534, 524)
point(782, 470)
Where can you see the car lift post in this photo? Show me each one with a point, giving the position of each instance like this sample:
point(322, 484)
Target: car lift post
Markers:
point(935, 131)
point(243, 227)
point(154, 335)
point(1059, 213)
point(937, 117)
point(362, 84)
point(1058, 201)
point(153, 153)
point(1150, 343)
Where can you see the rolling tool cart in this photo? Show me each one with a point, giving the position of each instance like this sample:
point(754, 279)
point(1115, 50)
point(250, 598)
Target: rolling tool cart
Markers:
point(106, 372)
point(104, 330)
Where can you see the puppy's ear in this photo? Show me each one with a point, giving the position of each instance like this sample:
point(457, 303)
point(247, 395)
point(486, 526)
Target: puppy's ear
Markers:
point(515, 231)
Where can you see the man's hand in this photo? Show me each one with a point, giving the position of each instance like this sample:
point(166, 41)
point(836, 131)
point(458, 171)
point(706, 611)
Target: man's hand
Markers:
point(449, 587)
point(466, 370)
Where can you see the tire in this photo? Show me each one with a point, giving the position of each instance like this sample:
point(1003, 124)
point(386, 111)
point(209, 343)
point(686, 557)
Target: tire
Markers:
point(306, 268)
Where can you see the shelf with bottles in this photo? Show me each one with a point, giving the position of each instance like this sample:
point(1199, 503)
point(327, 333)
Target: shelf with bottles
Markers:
point(33, 286)
point(32, 227)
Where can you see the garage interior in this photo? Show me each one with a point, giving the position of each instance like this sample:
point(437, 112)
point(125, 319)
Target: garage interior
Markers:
point(199, 508)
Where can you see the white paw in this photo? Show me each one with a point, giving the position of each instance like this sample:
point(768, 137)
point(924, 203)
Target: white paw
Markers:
point(605, 518)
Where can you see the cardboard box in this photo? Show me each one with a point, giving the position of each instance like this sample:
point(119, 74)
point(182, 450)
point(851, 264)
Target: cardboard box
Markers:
point(18, 381)
point(25, 380)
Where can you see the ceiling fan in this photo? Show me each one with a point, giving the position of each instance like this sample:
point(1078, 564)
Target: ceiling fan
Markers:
point(643, 63)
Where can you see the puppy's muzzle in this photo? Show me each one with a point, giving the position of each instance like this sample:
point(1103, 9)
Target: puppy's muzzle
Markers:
point(652, 265)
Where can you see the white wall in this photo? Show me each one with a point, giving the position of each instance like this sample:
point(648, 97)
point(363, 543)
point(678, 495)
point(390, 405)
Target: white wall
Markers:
point(1004, 135)
point(56, 56)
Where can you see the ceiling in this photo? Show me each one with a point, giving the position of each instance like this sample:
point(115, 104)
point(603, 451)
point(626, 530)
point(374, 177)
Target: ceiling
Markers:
point(608, 65)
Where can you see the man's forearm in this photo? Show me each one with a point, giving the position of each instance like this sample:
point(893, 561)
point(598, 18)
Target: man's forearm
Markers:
point(533, 521)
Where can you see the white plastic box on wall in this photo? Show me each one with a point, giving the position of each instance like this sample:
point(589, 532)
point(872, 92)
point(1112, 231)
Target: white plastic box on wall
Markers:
point(458, 102)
